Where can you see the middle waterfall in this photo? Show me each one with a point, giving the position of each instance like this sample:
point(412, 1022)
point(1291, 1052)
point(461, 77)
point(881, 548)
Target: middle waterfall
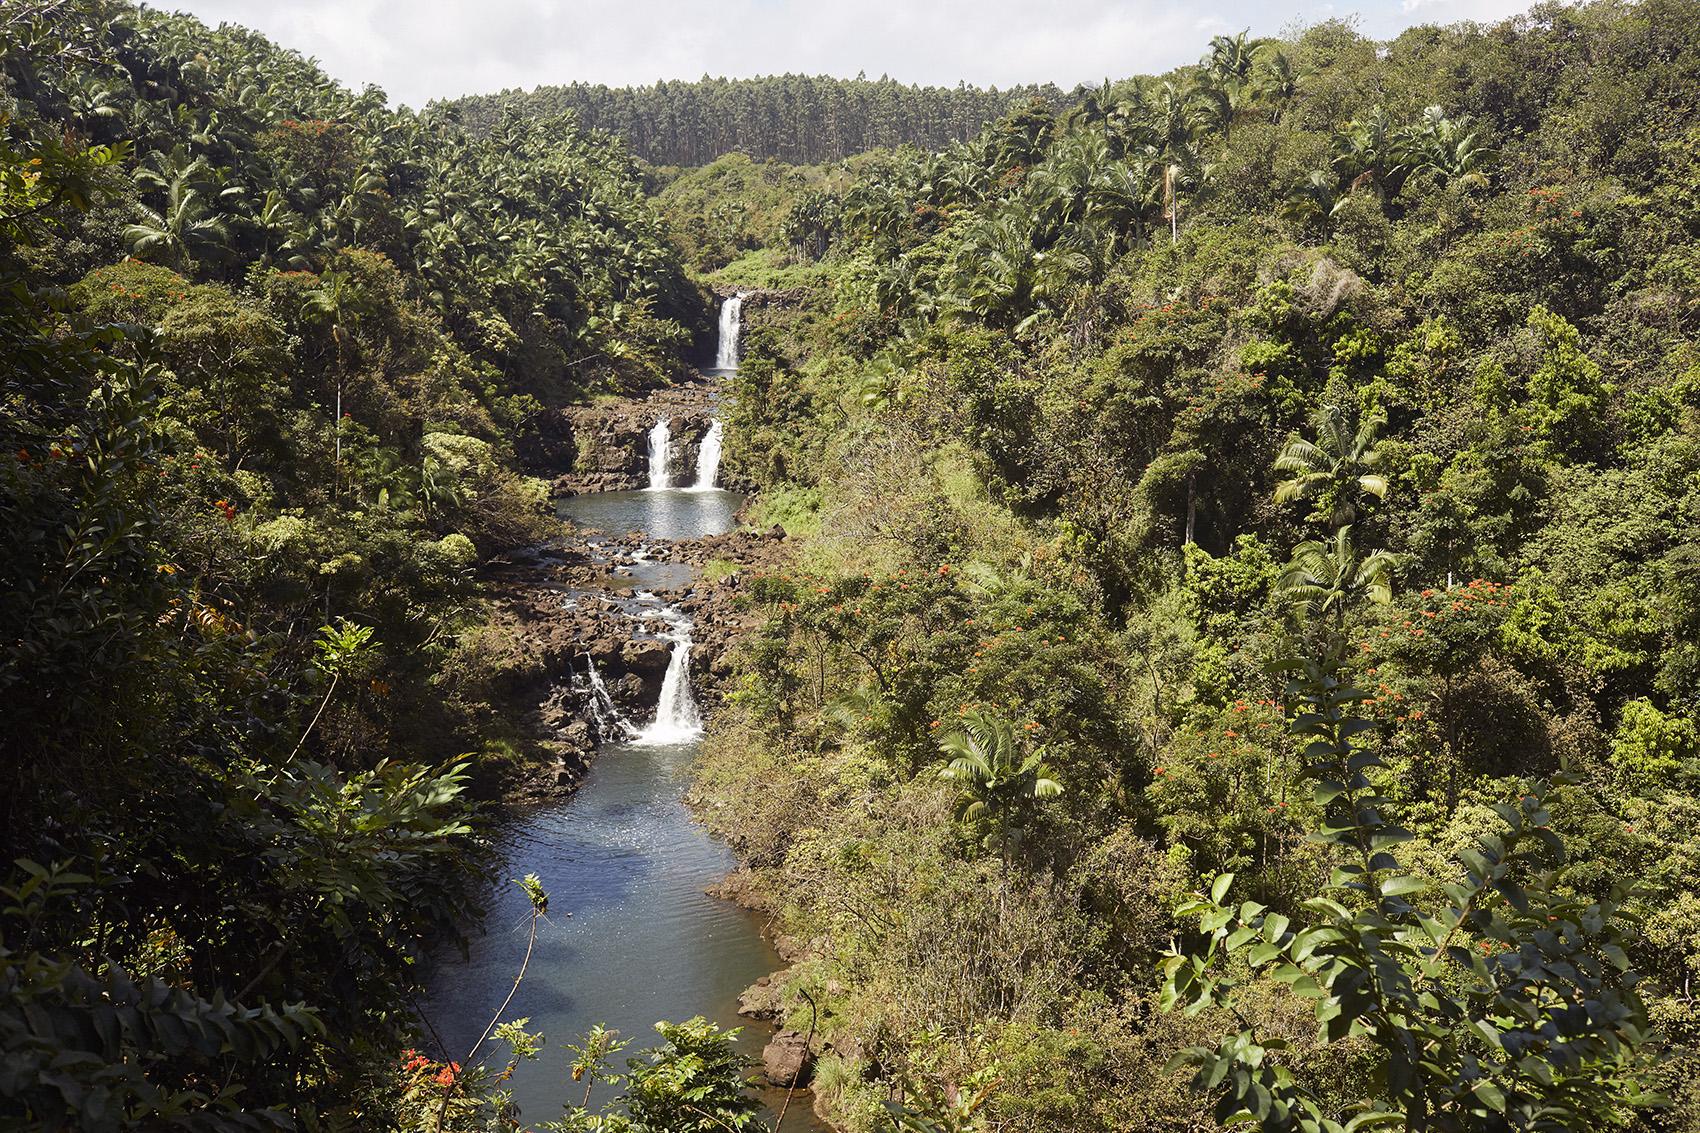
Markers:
point(660, 441)
point(708, 457)
point(677, 720)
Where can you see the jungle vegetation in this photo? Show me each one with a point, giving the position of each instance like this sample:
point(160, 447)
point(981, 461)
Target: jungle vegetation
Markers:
point(1239, 654)
point(272, 363)
point(1269, 488)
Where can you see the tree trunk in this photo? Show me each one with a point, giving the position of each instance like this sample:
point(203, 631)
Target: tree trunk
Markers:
point(1191, 506)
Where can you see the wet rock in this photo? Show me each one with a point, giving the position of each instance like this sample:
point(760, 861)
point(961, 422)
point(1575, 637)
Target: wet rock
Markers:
point(646, 658)
point(786, 1060)
point(610, 442)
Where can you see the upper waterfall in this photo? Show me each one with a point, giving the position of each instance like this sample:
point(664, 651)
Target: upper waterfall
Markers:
point(708, 457)
point(660, 441)
point(731, 325)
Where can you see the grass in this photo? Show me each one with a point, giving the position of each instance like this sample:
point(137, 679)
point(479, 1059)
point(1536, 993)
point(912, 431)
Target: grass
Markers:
point(719, 570)
point(795, 509)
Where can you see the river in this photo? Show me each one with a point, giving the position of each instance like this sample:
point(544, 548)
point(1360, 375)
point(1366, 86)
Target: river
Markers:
point(631, 936)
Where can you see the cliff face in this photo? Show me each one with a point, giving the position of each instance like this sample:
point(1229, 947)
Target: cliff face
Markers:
point(610, 443)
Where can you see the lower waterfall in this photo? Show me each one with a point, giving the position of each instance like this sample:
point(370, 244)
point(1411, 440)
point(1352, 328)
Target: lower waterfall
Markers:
point(611, 723)
point(677, 720)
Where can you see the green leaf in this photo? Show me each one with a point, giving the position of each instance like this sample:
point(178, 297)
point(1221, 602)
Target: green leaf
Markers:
point(1219, 889)
point(1401, 885)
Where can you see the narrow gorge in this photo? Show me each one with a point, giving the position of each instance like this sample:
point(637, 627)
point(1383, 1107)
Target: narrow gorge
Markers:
point(629, 637)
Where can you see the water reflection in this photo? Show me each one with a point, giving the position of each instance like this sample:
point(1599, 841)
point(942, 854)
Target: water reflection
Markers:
point(676, 513)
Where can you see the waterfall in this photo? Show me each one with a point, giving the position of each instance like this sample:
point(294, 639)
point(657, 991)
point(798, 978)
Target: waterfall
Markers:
point(660, 439)
point(731, 323)
point(676, 718)
point(611, 723)
point(708, 457)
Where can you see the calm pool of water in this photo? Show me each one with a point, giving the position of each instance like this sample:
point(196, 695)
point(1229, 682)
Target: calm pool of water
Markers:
point(676, 513)
point(631, 936)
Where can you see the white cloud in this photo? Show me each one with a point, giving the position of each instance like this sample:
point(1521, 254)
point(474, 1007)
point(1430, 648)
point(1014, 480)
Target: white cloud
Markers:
point(418, 50)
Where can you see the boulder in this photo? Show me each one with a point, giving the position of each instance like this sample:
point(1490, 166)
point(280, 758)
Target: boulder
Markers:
point(786, 1061)
point(629, 691)
point(646, 657)
point(761, 1000)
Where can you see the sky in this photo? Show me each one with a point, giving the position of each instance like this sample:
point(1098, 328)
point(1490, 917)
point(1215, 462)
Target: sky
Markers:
point(419, 50)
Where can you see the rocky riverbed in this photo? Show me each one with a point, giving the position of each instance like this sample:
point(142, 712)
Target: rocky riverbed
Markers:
point(563, 603)
point(586, 603)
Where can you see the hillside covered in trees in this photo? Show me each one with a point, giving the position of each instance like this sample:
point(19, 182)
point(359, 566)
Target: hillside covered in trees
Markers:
point(1233, 660)
point(796, 118)
point(1246, 605)
point(271, 361)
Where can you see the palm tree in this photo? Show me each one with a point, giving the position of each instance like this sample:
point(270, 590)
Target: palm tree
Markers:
point(1225, 84)
point(1317, 198)
point(1324, 580)
point(1000, 779)
point(1174, 117)
point(1231, 58)
point(1123, 194)
point(186, 223)
point(1448, 150)
point(279, 228)
point(1274, 81)
point(1370, 150)
point(337, 304)
point(1333, 468)
point(993, 275)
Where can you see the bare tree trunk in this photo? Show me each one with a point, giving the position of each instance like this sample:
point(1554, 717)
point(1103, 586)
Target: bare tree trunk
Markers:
point(1191, 506)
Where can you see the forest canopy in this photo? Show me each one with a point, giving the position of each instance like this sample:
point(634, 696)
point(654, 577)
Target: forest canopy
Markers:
point(802, 119)
point(1234, 657)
